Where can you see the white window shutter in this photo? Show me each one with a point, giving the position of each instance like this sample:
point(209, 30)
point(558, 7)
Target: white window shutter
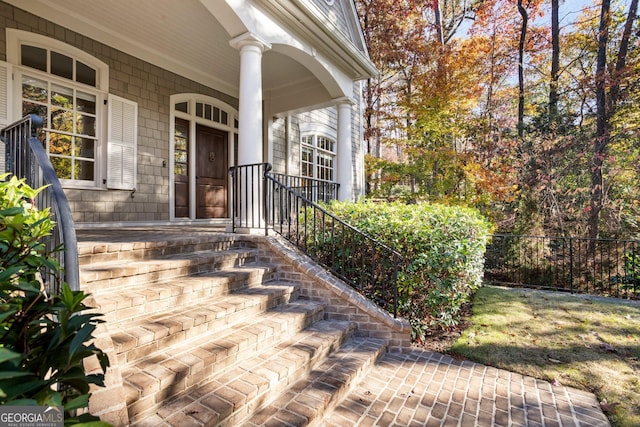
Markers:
point(5, 93)
point(122, 143)
point(5, 106)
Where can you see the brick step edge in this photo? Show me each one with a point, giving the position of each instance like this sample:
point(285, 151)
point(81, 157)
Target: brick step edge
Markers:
point(238, 393)
point(311, 398)
point(95, 252)
point(149, 382)
point(125, 274)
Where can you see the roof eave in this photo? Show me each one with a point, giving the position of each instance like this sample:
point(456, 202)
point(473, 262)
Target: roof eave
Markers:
point(308, 20)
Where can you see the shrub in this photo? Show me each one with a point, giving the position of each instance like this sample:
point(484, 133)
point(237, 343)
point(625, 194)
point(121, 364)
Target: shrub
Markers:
point(42, 337)
point(444, 251)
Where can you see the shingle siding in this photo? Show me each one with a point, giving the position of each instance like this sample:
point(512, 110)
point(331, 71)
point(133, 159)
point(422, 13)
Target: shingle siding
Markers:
point(151, 87)
point(139, 81)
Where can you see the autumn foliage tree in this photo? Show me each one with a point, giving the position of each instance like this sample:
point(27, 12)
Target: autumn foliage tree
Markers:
point(494, 103)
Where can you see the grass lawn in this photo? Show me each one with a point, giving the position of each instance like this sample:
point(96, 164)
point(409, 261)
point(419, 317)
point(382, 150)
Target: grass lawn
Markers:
point(584, 342)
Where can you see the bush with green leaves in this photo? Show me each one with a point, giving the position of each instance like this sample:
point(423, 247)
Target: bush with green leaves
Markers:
point(44, 339)
point(444, 251)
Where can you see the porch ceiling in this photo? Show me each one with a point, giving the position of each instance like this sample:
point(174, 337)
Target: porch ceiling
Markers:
point(181, 36)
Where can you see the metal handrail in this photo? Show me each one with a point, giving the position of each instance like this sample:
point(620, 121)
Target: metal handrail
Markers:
point(248, 192)
point(26, 158)
point(364, 263)
point(313, 189)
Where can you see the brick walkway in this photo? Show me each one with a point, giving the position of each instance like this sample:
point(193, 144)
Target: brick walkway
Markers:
point(422, 388)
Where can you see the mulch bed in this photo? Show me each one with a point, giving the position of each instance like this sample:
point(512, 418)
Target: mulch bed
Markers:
point(441, 340)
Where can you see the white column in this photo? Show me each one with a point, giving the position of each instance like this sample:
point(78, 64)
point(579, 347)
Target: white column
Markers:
point(250, 97)
point(345, 155)
point(250, 125)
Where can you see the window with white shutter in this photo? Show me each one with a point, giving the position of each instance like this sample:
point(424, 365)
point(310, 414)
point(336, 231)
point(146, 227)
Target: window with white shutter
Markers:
point(122, 143)
point(67, 87)
point(5, 93)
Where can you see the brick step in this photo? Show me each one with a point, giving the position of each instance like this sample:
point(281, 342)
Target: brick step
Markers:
point(92, 252)
point(174, 372)
point(234, 396)
point(142, 299)
point(117, 274)
point(306, 402)
point(140, 338)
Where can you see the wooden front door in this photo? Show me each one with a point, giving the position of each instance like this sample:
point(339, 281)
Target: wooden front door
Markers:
point(212, 172)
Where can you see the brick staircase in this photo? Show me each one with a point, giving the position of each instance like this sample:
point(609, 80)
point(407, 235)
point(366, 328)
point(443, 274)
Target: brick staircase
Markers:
point(216, 329)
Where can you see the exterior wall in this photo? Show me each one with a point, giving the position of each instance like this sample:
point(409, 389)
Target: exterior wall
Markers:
point(279, 137)
point(138, 81)
point(334, 11)
point(150, 87)
point(329, 117)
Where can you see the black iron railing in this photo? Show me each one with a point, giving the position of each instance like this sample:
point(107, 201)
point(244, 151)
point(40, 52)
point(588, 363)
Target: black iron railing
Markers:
point(315, 190)
point(361, 261)
point(26, 158)
point(249, 196)
point(579, 265)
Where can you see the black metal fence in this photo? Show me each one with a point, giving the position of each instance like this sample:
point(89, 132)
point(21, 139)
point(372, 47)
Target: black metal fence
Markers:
point(26, 158)
point(608, 267)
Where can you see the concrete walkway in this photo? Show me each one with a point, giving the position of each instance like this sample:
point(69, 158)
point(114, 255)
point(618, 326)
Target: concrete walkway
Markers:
point(422, 388)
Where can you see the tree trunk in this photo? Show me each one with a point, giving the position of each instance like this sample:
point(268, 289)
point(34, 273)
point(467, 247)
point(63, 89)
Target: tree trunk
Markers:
point(438, 14)
point(602, 124)
point(555, 66)
point(621, 59)
point(606, 106)
point(521, 45)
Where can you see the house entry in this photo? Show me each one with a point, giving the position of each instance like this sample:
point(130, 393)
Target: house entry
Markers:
point(212, 166)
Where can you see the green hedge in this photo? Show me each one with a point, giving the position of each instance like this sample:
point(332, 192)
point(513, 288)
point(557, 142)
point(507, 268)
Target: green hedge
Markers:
point(444, 251)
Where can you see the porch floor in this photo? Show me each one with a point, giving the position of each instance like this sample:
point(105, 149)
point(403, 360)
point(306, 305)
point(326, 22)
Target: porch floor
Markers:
point(420, 387)
point(143, 234)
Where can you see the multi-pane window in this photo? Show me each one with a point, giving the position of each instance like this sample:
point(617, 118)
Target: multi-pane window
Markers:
point(211, 112)
point(70, 134)
point(317, 158)
point(65, 96)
